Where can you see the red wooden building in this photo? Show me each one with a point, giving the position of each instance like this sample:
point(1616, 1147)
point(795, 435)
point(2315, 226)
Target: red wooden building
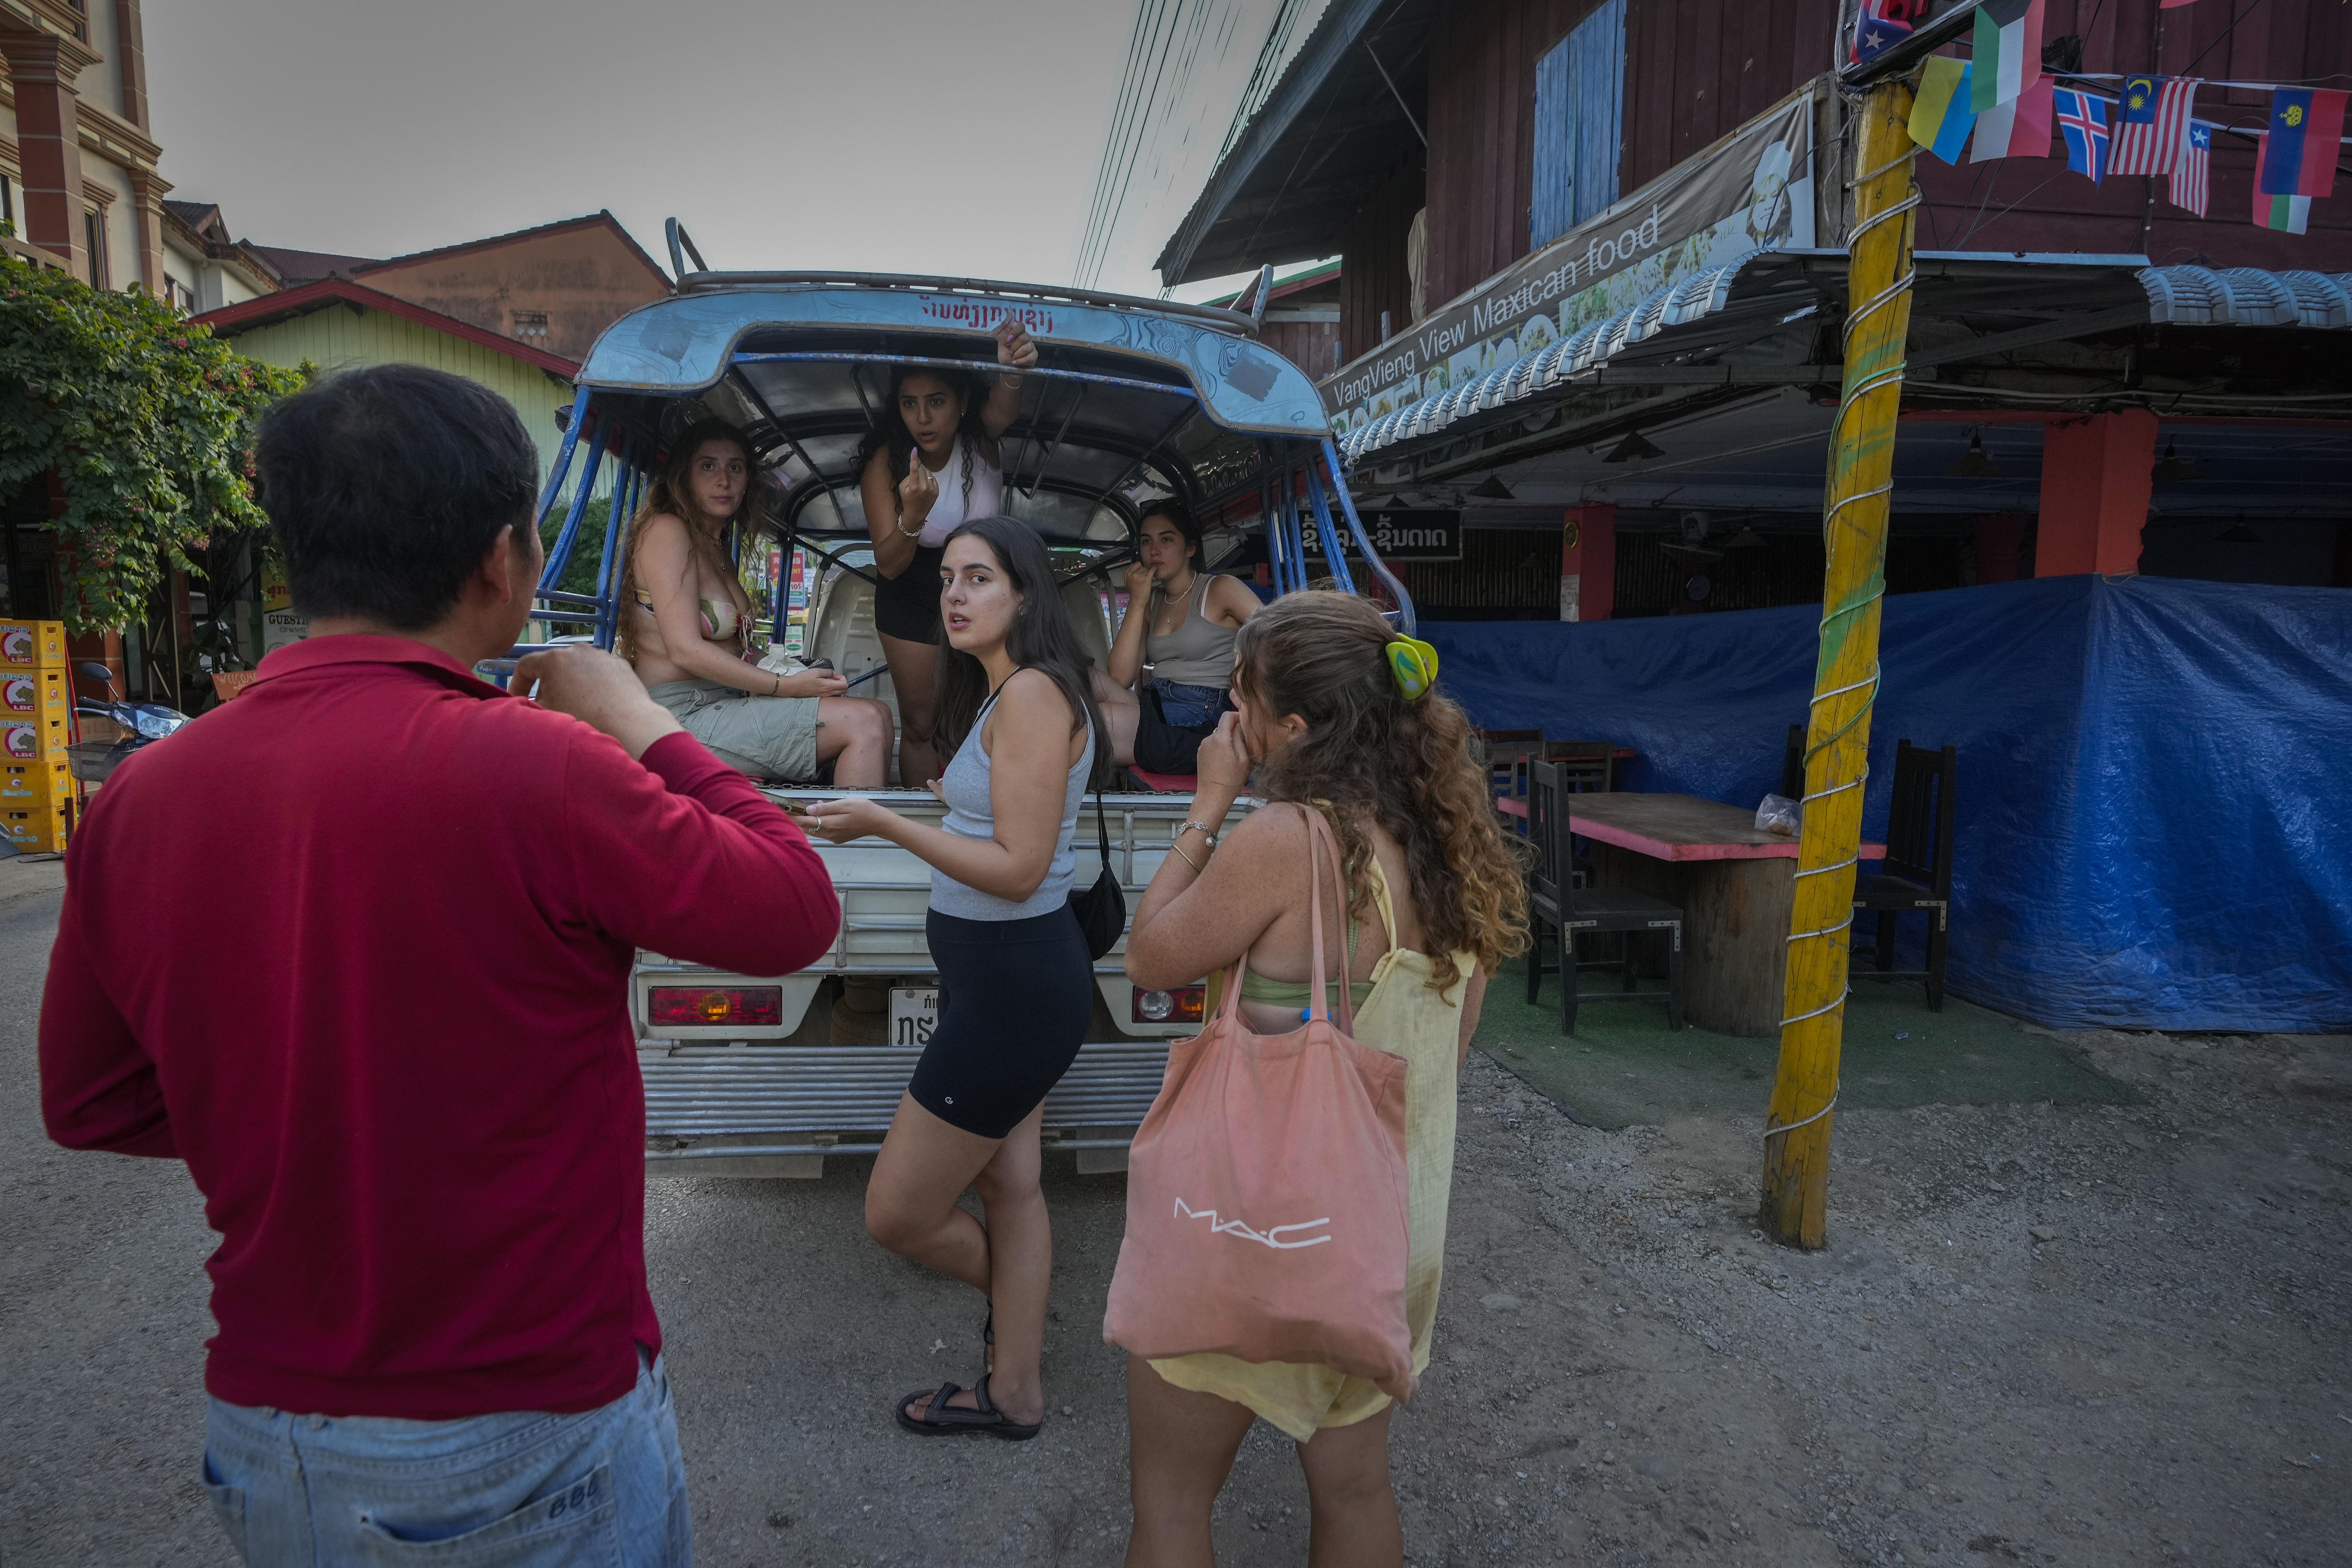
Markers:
point(2100, 380)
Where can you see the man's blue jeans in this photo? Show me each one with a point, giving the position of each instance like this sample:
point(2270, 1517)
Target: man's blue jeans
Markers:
point(527, 1489)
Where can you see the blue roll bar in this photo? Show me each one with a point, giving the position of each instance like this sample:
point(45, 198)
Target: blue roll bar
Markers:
point(564, 456)
point(1294, 532)
point(1407, 619)
point(1325, 532)
point(983, 367)
point(561, 556)
point(626, 482)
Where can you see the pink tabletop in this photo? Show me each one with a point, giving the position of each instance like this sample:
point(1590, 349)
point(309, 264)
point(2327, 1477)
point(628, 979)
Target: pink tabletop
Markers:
point(1680, 828)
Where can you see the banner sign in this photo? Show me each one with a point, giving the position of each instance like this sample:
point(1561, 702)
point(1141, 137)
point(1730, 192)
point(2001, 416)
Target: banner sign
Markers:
point(1753, 190)
point(1398, 536)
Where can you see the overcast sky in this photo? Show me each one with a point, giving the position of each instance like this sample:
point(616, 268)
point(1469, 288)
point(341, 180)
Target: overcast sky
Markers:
point(883, 135)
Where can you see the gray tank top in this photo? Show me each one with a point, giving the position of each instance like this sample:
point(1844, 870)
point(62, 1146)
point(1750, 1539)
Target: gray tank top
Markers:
point(970, 815)
point(1198, 652)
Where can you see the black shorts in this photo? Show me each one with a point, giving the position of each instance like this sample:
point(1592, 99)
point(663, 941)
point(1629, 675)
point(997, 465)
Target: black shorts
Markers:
point(908, 606)
point(1015, 997)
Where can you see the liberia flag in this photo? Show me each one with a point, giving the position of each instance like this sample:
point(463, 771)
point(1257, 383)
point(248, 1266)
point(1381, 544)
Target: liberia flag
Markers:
point(2306, 124)
point(2152, 126)
point(2007, 52)
point(2291, 214)
point(2083, 121)
point(2192, 177)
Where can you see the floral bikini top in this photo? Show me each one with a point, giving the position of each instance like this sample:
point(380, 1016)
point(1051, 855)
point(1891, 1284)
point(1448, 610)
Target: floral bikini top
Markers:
point(722, 621)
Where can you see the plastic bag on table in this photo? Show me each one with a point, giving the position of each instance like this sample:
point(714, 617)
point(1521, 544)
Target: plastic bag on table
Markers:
point(1778, 815)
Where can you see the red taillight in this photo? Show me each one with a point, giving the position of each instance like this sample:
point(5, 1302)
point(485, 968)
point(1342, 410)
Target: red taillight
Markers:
point(717, 1008)
point(1182, 1005)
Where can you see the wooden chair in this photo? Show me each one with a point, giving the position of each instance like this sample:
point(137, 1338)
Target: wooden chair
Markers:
point(1918, 871)
point(1555, 900)
point(1504, 754)
point(1585, 766)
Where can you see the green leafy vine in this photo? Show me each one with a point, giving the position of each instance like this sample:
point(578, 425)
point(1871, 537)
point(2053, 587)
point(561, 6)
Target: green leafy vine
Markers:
point(147, 422)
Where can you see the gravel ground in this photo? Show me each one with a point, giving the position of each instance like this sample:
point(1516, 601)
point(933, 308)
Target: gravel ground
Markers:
point(2110, 1336)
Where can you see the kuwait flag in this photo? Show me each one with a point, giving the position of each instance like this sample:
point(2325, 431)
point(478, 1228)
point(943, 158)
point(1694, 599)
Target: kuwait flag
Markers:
point(2306, 124)
point(2291, 214)
point(2017, 129)
point(2008, 57)
point(1940, 115)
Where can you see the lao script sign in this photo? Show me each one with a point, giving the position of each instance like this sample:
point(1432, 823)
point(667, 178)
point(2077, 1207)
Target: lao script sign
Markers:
point(1398, 536)
point(1753, 190)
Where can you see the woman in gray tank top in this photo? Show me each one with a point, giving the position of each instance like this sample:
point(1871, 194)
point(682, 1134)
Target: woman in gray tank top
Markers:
point(1016, 711)
point(1176, 644)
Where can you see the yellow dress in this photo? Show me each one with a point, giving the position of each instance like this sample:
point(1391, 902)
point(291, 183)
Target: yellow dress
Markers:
point(1405, 1018)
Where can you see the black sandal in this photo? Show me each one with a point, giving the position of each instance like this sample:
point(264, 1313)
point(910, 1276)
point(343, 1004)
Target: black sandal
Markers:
point(941, 1419)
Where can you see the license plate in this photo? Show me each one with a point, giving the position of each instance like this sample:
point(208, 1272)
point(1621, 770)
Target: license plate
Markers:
point(914, 1010)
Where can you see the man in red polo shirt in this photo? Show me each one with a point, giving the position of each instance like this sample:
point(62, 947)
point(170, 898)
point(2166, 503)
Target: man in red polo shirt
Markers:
point(406, 1084)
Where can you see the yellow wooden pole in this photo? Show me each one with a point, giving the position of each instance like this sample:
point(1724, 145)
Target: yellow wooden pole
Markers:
point(1845, 679)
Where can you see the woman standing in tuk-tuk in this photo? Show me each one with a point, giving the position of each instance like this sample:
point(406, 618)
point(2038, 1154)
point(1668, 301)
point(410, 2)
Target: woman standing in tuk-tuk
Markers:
point(930, 465)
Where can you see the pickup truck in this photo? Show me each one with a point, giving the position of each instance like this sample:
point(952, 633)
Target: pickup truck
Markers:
point(1132, 400)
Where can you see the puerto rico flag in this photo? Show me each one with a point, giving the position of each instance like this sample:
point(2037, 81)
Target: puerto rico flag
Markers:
point(2306, 123)
point(1879, 26)
point(2152, 125)
point(2082, 119)
point(2192, 177)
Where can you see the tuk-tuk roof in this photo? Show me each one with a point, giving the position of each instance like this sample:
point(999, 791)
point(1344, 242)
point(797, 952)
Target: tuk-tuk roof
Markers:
point(1127, 391)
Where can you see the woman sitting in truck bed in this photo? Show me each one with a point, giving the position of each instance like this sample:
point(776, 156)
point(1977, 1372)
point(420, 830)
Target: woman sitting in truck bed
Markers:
point(684, 619)
point(1182, 620)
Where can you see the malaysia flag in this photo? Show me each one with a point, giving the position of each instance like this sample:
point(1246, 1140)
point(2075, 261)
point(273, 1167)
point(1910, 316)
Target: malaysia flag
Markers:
point(2082, 119)
point(2192, 177)
point(2152, 128)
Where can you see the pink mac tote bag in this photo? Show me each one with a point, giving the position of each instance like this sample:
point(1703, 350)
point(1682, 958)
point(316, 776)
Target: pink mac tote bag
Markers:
point(1266, 1192)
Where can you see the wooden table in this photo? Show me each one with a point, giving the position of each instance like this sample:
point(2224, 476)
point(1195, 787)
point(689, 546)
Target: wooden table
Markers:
point(1736, 885)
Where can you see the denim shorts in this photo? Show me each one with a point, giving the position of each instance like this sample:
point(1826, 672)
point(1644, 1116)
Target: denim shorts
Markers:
point(1190, 706)
point(524, 1489)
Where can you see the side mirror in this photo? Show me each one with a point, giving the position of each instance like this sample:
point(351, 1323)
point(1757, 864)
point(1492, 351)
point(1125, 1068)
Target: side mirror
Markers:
point(91, 669)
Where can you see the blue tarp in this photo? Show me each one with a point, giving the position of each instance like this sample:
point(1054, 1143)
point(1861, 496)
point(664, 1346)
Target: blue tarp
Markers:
point(2154, 811)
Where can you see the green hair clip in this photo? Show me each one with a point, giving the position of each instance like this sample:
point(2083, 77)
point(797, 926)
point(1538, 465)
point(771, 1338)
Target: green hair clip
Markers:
point(1413, 663)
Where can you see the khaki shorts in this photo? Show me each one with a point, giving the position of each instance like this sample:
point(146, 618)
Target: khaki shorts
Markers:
point(767, 737)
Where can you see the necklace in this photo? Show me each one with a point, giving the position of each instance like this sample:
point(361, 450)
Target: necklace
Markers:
point(1179, 601)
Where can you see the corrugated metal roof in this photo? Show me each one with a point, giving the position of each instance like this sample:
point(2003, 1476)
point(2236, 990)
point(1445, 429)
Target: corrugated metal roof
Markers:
point(1702, 294)
point(2185, 296)
point(2247, 297)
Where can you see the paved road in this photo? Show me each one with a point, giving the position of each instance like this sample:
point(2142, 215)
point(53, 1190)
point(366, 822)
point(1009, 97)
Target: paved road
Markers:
point(2099, 1338)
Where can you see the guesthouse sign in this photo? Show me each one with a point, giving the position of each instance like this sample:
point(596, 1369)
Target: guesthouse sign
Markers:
point(1753, 190)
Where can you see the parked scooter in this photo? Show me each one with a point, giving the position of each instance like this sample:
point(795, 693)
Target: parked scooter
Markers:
point(141, 723)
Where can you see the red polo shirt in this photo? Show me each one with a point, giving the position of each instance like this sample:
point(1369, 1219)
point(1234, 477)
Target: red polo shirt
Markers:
point(356, 947)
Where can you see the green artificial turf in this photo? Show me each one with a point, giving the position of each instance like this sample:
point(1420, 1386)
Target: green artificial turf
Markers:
point(1623, 1067)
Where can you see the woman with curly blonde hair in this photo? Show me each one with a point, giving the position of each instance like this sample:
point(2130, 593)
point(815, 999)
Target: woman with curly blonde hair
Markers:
point(1336, 713)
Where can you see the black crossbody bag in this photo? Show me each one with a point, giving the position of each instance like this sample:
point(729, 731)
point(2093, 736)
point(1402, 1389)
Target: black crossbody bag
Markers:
point(1101, 909)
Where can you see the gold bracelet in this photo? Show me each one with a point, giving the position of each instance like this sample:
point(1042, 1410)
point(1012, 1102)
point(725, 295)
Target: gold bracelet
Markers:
point(1186, 859)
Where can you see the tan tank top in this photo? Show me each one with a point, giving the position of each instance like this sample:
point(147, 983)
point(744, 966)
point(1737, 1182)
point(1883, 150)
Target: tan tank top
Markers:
point(1198, 652)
